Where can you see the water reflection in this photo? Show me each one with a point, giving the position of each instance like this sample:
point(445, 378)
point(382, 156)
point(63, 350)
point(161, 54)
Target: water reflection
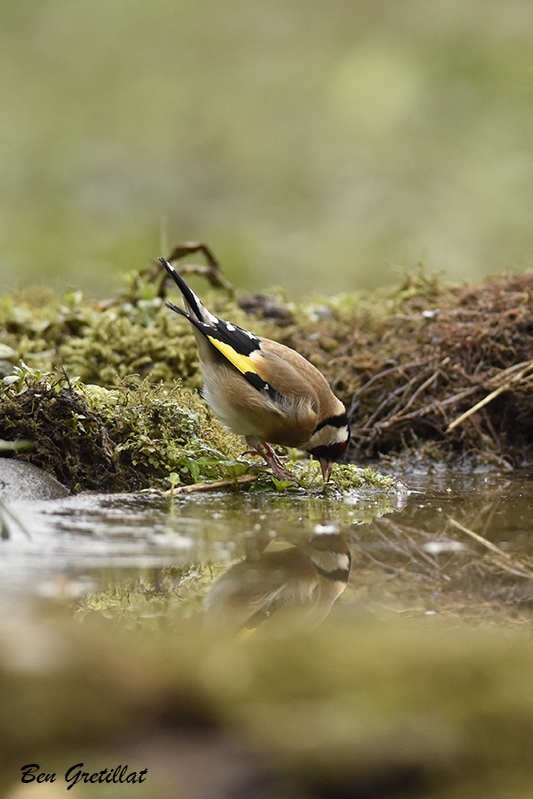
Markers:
point(283, 587)
point(410, 552)
point(89, 535)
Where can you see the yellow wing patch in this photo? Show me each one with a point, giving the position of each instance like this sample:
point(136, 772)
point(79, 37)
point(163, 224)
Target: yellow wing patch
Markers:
point(241, 362)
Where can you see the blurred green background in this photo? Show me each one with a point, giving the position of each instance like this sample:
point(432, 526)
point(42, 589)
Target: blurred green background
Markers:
point(314, 145)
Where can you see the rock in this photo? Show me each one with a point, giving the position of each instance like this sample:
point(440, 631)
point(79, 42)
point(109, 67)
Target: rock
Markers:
point(20, 480)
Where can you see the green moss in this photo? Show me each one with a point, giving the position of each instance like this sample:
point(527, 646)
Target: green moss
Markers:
point(345, 478)
point(99, 343)
point(102, 343)
point(139, 435)
point(160, 599)
point(125, 438)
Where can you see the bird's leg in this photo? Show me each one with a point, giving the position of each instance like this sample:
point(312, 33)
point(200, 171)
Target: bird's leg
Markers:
point(273, 461)
point(260, 453)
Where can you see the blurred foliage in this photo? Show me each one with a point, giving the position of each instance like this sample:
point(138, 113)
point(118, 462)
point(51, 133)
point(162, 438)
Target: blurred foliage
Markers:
point(310, 144)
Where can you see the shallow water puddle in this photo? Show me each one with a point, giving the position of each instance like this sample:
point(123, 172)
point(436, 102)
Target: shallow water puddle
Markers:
point(454, 541)
point(89, 533)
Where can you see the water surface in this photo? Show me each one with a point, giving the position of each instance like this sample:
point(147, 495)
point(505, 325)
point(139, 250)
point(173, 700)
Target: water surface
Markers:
point(86, 543)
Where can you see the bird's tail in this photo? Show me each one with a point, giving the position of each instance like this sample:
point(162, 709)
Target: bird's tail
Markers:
point(193, 303)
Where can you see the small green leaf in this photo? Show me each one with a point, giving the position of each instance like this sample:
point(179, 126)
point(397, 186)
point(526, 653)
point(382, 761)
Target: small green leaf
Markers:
point(174, 479)
point(234, 468)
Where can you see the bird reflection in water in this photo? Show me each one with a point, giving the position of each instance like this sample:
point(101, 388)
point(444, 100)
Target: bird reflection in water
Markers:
point(280, 589)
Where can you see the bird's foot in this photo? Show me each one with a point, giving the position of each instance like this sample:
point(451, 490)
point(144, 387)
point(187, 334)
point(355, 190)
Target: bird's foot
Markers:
point(272, 461)
point(261, 454)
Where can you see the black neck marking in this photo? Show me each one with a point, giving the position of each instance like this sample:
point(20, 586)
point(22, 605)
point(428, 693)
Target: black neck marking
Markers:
point(341, 420)
point(336, 576)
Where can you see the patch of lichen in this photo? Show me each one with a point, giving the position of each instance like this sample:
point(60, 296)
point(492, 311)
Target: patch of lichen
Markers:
point(130, 437)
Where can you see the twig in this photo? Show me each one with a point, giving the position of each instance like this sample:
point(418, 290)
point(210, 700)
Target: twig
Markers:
point(216, 485)
point(493, 394)
point(511, 375)
point(479, 538)
point(379, 376)
point(401, 392)
point(212, 271)
point(477, 407)
point(511, 565)
point(400, 416)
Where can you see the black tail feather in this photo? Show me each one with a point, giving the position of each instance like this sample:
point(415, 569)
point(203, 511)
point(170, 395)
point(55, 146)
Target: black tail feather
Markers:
point(197, 323)
point(190, 297)
point(177, 309)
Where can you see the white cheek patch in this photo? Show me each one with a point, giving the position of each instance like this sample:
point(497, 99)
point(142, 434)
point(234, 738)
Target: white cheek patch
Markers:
point(331, 562)
point(327, 436)
point(344, 562)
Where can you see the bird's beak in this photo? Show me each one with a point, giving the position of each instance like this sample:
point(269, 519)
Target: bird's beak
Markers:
point(326, 467)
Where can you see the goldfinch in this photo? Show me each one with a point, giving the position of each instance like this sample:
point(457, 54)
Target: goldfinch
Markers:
point(263, 390)
point(283, 588)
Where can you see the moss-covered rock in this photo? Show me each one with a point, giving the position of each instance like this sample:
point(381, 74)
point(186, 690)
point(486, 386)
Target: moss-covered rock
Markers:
point(126, 438)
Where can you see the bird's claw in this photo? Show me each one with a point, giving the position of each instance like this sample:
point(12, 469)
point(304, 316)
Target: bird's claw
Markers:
point(272, 461)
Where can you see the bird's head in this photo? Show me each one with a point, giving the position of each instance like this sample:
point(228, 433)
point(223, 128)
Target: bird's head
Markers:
point(329, 442)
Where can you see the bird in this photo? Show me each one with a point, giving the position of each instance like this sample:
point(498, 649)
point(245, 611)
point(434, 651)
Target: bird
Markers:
point(264, 390)
point(281, 588)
